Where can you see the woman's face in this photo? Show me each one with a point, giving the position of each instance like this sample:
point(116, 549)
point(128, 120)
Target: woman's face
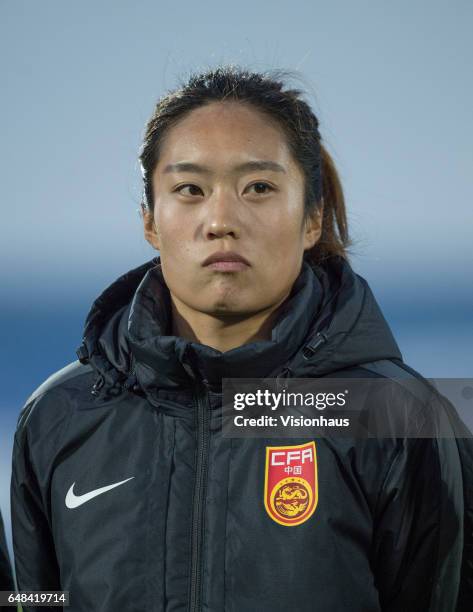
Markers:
point(226, 182)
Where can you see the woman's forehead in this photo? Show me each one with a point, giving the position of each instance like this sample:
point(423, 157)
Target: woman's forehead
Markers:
point(226, 134)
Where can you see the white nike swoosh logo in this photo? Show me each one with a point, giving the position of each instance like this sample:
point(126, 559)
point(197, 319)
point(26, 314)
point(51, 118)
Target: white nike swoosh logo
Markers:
point(73, 501)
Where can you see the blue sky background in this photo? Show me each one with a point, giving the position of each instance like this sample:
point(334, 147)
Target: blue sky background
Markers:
point(391, 84)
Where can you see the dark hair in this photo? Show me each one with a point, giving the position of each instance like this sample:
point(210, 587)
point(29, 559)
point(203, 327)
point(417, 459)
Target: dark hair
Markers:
point(266, 93)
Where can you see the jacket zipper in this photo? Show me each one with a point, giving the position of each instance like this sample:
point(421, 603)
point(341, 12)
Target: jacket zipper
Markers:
point(203, 435)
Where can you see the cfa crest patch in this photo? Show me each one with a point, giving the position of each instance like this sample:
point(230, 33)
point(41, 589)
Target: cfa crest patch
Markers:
point(290, 483)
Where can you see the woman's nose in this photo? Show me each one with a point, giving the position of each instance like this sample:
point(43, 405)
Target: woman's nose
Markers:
point(221, 218)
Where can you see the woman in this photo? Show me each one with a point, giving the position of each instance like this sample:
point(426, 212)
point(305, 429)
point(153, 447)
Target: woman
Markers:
point(124, 490)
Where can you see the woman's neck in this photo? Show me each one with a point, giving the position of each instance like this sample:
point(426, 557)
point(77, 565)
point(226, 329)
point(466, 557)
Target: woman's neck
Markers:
point(222, 332)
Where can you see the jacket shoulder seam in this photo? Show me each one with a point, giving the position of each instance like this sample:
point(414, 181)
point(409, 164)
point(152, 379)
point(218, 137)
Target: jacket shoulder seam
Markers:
point(417, 385)
point(68, 372)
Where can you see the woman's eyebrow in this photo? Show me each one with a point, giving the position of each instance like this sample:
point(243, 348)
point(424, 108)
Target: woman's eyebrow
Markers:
point(248, 166)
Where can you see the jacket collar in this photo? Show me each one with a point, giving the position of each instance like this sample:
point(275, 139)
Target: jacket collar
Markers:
point(168, 361)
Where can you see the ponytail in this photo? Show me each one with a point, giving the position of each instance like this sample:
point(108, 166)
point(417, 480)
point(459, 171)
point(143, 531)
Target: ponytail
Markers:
point(334, 239)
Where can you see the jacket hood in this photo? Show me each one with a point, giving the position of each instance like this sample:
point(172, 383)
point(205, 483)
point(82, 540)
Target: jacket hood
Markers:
point(330, 321)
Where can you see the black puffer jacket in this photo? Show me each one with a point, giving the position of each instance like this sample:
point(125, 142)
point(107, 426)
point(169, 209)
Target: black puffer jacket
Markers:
point(126, 493)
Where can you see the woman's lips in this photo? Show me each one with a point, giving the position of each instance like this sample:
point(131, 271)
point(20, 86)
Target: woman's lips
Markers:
point(227, 266)
point(226, 261)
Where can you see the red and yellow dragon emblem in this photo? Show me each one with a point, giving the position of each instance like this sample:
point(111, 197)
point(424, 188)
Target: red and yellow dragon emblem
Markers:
point(290, 484)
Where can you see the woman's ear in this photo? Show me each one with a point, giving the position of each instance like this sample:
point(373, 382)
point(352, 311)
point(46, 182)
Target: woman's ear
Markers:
point(149, 227)
point(313, 226)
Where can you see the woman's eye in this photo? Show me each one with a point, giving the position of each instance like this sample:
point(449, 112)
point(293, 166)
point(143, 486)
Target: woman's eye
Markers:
point(260, 187)
point(192, 189)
